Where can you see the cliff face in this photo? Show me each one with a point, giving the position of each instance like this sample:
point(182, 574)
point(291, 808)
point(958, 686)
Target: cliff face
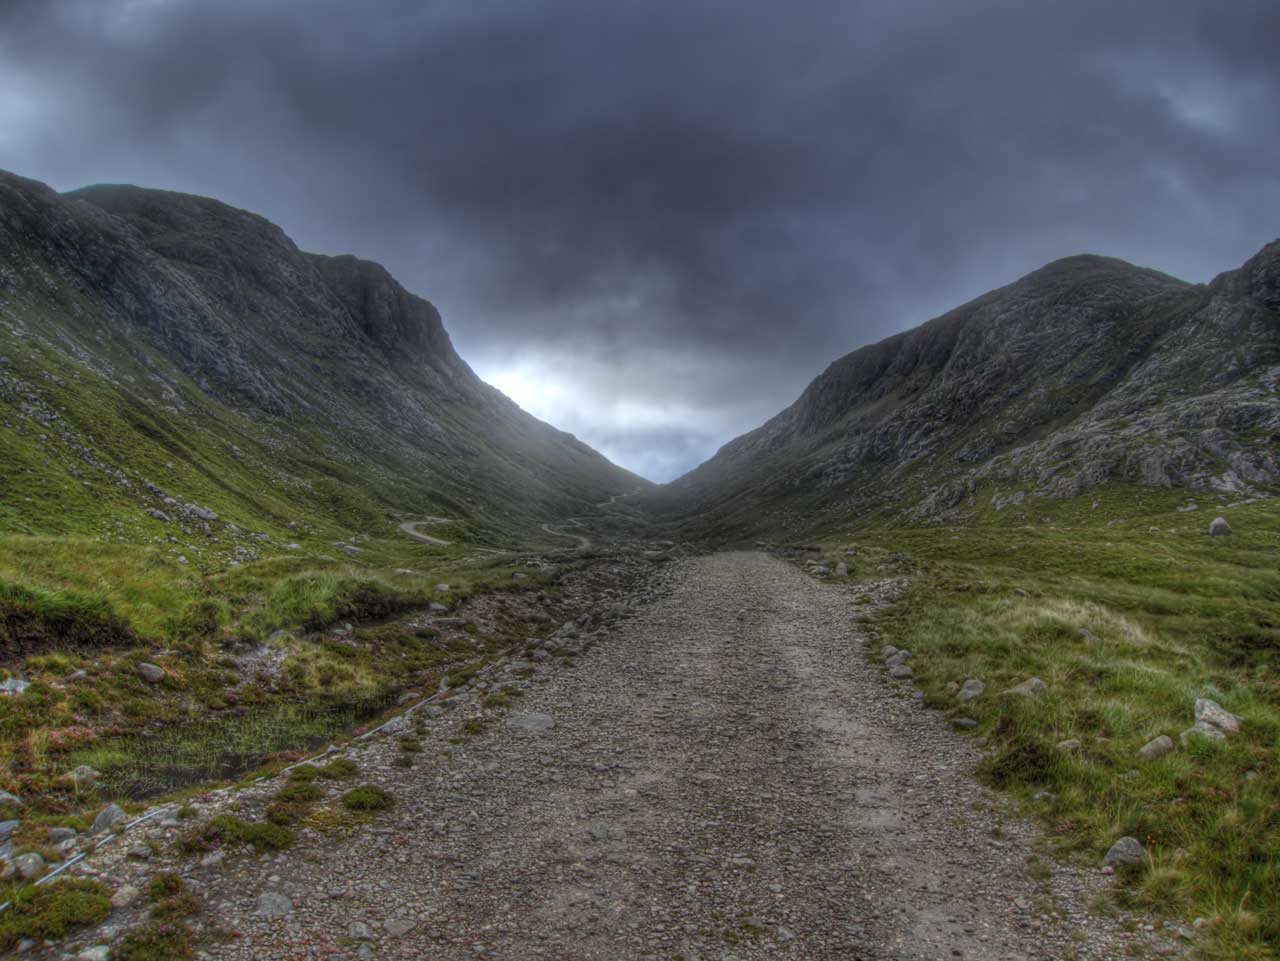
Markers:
point(1085, 371)
point(187, 299)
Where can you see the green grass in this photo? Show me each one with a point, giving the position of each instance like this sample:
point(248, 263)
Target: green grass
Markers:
point(1128, 626)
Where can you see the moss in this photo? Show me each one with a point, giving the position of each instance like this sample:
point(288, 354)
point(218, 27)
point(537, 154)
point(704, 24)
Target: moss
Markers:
point(340, 769)
point(367, 797)
point(296, 791)
point(54, 910)
point(228, 829)
point(155, 941)
point(181, 905)
point(164, 885)
point(304, 772)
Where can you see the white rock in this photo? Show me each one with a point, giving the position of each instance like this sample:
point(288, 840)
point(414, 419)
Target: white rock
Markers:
point(1211, 712)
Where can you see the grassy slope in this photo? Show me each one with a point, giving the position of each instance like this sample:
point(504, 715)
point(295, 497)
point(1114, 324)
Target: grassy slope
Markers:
point(91, 581)
point(1171, 615)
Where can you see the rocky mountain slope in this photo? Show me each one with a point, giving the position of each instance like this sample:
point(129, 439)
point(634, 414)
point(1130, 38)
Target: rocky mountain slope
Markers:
point(165, 357)
point(1087, 371)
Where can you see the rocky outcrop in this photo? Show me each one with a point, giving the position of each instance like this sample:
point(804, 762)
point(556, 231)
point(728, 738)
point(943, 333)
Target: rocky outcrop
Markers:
point(198, 292)
point(1087, 371)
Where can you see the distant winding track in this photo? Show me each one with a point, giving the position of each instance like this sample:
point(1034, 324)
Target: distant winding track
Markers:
point(411, 528)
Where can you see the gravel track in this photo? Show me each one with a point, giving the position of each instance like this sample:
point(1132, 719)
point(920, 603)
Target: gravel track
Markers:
point(724, 775)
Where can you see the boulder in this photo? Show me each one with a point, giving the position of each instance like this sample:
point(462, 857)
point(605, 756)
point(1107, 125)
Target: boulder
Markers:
point(900, 672)
point(1156, 748)
point(1125, 851)
point(124, 896)
point(1031, 687)
point(970, 689)
point(7, 828)
point(13, 685)
point(151, 673)
point(1219, 527)
point(7, 798)
point(1203, 729)
point(1211, 712)
point(30, 865)
point(108, 818)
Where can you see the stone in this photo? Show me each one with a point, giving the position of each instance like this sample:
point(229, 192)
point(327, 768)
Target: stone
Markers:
point(888, 650)
point(7, 798)
point(970, 689)
point(1211, 712)
point(82, 778)
point(965, 723)
point(842, 569)
point(435, 607)
point(29, 865)
point(1205, 730)
point(1069, 746)
point(108, 818)
point(1156, 748)
point(99, 952)
point(13, 686)
point(399, 927)
point(359, 931)
point(273, 904)
point(151, 673)
point(531, 723)
point(7, 828)
point(900, 672)
point(1125, 851)
point(1219, 527)
point(1031, 687)
point(140, 852)
point(125, 896)
point(819, 570)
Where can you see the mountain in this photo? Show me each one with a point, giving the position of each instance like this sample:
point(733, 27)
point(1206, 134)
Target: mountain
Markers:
point(165, 357)
point(1086, 372)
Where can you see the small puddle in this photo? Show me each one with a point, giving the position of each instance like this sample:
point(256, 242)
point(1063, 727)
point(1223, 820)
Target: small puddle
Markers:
point(138, 767)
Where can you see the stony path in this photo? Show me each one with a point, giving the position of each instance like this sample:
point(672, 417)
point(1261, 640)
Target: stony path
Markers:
point(724, 775)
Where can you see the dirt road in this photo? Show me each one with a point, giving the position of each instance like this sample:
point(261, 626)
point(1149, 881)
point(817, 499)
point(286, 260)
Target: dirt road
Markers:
point(723, 775)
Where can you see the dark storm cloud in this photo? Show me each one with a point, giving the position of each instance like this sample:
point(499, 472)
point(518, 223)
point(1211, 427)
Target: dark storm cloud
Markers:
point(654, 222)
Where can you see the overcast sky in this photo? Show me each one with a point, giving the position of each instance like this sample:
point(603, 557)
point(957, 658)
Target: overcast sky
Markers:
point(652, 223)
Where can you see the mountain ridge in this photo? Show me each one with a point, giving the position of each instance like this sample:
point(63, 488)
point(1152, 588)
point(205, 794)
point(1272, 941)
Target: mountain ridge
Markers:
point(208, 323)
point(975, 395)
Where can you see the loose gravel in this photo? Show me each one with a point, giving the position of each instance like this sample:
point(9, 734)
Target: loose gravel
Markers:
point(726, 773)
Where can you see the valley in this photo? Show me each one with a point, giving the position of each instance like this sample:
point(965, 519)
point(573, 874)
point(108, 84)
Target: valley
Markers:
point(889, 677)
